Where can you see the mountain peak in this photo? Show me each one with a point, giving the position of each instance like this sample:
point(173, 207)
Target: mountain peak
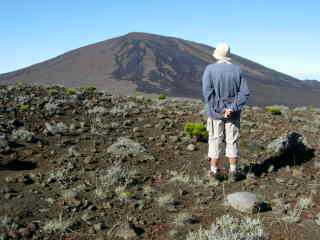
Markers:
point(153, 63)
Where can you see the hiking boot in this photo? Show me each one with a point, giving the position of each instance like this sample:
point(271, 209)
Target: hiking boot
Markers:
point(217, 176)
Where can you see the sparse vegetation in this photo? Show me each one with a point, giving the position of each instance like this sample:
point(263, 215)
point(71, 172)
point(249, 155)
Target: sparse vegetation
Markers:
point(165, 199)
point(53, 92)
point(228, 227)
point(24, 107)
point(196, 129)
point(59, 225)
point(293, 215)
point(102, 158)
point(185, 178)
point(20, 84)
point(115, 176)
point(123, 193)
point(89, 89)
point(62, 175)
point(273, 110)
point(71, 91)
point(317, 219)
point(162, 96)
point(179, 177)
point(305, 203)
point(180, 218)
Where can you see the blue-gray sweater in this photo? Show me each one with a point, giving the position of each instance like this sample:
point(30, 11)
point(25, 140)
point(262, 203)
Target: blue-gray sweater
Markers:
point(224, 86)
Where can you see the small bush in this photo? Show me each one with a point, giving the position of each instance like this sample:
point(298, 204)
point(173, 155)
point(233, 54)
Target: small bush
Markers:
point(162, 96)
point(196, 130)
point(89, 89)
point(305, 203)
point(52, 92)
point(123, 194)
point(273, 110)
point(293, 216)
point(228, 227)
point(181, 218)
point(24, 107)
point(20, 84)
point(58, 225)
point(71, 91)
point(165, 199)
point(116, 175)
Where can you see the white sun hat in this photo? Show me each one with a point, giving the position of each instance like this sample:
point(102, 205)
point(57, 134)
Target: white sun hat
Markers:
point(222, 52)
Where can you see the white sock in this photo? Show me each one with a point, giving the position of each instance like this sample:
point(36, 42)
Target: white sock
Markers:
point(233, 167)
point(213, 168)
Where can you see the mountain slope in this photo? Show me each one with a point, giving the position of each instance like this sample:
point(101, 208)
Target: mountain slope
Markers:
point(153, 64)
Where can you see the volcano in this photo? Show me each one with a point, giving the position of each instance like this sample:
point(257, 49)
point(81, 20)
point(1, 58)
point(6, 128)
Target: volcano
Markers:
point(152, 63)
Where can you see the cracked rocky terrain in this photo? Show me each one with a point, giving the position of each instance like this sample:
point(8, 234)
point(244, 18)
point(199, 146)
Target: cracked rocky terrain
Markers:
point(82, 164)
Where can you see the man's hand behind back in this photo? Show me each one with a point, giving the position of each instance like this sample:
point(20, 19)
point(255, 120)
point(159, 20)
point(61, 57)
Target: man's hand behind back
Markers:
point(227, 113)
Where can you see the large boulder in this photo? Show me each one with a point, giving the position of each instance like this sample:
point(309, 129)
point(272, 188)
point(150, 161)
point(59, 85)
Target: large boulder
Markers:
point(243, 201)
point(293, 142)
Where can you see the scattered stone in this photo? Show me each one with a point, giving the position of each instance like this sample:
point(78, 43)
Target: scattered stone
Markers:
point(14, 234)
point(8, 196)
point(191, 147)
point(73, 152)
point(97, 110)
point(300, 109)
point(136, 129)
point(126, 231)
point(88, 160)
point(173, 139)
point(52, 108)
point(191, 220)
point(280, 180)
point(22, 135)
point(25, 232)
point(317, 164)
point(10, 179)
point(99, 226)
point(59, 128)
point(243, 201)
point(6, 189)
point(4, 145)
point(70, 196)
point(26, 179)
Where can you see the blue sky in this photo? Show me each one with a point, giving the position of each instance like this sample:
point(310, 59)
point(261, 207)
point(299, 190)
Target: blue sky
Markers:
point(283, 35)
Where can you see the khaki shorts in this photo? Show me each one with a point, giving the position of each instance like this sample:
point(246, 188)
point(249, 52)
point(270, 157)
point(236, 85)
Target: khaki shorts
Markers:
point(220, 130)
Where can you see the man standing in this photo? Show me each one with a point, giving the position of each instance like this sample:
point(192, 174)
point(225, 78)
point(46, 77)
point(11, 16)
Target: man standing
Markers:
point(225, 92)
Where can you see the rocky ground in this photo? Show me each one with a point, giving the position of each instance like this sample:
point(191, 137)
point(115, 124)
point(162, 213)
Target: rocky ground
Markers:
point(81, 164)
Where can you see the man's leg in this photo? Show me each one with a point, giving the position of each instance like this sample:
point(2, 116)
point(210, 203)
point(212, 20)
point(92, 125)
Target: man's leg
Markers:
point(215, 130)
point(232, 131)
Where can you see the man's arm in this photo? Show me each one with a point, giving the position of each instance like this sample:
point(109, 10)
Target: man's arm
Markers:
point(207, 88)
point(242, 96)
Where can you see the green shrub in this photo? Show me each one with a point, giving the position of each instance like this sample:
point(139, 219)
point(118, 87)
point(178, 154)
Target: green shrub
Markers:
point(273, 110)
point(53, 92)
point(162, 96)
point(312, 109)
point(196, 129)
point(71, 91)
point(89, 89)
point(24, 107)
point(20, 84)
